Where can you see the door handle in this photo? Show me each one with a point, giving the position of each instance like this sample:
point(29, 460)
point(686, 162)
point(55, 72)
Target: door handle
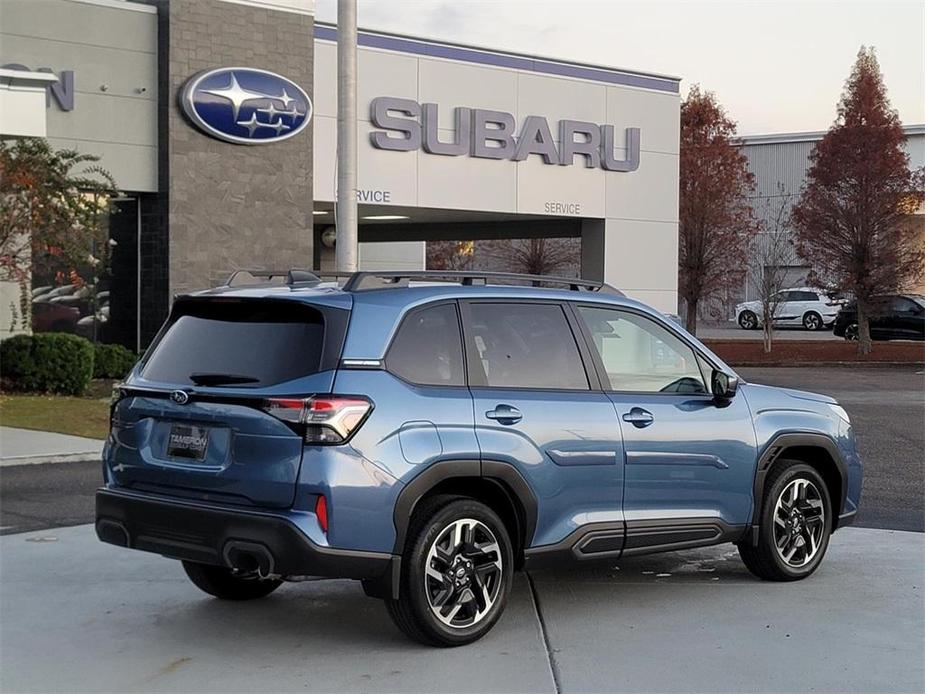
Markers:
point(505, 414)
point(638, 417)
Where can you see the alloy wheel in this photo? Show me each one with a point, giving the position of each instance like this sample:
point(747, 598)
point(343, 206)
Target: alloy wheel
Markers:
point(812, 322)
point(851, 332)
point(463, 573)
point(748, 320)
point(799, 522)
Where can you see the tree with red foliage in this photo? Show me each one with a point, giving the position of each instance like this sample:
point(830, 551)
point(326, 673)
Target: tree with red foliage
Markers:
point(716, 221)
point(852, 219)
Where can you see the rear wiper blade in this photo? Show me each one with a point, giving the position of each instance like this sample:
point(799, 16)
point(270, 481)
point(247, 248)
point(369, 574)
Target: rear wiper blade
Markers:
point(210, 379)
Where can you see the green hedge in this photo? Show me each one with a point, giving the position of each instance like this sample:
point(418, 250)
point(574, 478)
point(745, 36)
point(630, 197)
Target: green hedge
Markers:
point(113, 361)
point(47, 363)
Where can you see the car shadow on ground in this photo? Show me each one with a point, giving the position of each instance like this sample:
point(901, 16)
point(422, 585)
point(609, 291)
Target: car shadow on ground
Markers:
point(335, 608)
point(345, 616)
point(340, 611)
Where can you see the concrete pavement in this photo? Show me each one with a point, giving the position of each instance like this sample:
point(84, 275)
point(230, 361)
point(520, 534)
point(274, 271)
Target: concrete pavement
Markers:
point(27, 446)
point(699, 622)
point(78, 615)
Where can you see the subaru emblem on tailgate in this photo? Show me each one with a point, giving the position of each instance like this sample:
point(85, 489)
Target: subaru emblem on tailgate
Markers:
point(246, 106)
point(180, 397)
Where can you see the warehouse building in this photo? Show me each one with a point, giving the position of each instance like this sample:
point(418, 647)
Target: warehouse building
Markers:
point(217, 118)
point(780, 164)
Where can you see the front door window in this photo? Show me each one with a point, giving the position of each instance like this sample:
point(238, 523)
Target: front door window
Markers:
point(640, 356)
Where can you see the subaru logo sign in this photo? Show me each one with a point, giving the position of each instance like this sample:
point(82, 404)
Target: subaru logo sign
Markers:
point(180, 397)
point(246, 106)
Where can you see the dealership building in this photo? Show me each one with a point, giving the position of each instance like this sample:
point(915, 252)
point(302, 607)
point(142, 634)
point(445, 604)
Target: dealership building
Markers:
point(217, 118)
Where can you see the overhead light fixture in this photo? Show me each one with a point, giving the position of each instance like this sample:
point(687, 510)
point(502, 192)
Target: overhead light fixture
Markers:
point(318, 213)
point(384, 217)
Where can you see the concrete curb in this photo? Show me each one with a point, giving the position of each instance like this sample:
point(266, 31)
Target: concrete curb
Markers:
point(49, 459)
point(19, 446)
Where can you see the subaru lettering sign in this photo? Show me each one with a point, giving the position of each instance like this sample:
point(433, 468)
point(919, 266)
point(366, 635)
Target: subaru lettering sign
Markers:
point(406, 126)
point(246, 106)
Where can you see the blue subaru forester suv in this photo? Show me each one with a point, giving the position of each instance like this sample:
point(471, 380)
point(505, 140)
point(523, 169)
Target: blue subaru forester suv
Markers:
point(429, 434)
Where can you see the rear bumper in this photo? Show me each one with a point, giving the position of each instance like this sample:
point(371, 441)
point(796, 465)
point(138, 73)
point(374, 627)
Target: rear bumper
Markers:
point(220, 536)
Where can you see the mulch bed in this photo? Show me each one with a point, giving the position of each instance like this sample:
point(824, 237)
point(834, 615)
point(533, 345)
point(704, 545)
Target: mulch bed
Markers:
point(797, 352)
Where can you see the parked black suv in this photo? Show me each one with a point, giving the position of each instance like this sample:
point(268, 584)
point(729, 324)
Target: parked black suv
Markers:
point(893, 317)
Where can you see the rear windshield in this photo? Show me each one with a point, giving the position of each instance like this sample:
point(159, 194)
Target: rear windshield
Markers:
point(238, 343)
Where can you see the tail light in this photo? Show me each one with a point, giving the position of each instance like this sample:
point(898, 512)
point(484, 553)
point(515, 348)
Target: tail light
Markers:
point(321, 511)
point(322, 419)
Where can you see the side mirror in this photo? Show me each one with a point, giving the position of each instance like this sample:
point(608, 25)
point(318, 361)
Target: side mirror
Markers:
point(723, 385)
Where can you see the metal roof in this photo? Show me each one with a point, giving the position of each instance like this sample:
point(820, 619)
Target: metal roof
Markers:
point(810, 136)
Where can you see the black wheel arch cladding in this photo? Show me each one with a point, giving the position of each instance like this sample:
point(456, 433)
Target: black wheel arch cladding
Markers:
point(816, 450)
point(500, 482)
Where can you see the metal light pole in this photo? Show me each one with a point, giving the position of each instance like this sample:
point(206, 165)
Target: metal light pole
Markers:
point(346, 249)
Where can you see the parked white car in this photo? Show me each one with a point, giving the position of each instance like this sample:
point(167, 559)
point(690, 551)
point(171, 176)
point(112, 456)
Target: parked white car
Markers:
point(805, 307)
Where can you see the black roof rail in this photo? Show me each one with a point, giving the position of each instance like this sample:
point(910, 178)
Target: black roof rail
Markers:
point(379, 280)
point(293, 275)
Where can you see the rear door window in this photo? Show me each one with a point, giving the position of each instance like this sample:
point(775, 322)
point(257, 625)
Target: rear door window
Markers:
point(902, 305)
point(525, 346)
point(238, 342)
point(428, 348)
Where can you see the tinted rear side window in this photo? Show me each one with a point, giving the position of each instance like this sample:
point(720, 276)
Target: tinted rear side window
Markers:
point(428, 348)
point(270, 342)
point(526, 346)
point(903, 305)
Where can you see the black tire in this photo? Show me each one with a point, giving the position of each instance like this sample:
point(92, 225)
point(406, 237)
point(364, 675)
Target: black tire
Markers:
point(765, 560)
point(412, 612)
point(748, 320)
point(218, 581)
point(852, 332)
point(813, 321)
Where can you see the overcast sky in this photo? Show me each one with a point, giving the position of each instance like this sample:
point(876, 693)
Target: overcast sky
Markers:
point(777, 66)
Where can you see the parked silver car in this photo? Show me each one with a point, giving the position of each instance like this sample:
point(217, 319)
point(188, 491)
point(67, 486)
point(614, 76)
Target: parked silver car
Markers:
point(812, 309)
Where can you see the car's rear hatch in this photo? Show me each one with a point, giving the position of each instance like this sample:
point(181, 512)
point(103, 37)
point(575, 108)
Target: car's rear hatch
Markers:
point(194, 419)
